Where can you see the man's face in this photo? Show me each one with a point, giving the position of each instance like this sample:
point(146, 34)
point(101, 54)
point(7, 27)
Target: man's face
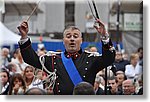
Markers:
point(120, 78)
point(128, 88)
point(72, 40)
point(113, 85)
point(118, 56)
point(93, 49)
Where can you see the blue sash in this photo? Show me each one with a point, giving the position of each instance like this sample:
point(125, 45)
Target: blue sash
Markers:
point(71, 69)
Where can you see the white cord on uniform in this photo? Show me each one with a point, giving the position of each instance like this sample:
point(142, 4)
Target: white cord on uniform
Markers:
point(51, 75)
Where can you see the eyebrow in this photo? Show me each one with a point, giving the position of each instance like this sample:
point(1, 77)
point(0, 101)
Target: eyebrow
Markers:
point(111, 83)
point(67, 33)
point(74, 34)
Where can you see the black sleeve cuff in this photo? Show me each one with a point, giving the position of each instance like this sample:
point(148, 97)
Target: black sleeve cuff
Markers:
point(25, 45)
point(108, 45)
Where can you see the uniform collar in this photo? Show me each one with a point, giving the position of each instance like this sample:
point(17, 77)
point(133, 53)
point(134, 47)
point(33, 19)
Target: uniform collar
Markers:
point(73, 55)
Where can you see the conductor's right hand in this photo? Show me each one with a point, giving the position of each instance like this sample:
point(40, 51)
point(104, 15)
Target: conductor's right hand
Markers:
point(23, 29)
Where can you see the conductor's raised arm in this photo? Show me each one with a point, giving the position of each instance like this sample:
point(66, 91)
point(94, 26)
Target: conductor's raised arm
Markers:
point(27, 52)
point(23, 29)
point(100, 27)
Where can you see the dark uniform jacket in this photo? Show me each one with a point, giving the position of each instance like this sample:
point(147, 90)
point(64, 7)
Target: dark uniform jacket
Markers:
point(87, 64)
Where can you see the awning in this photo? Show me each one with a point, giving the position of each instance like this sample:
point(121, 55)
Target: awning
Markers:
point(20, 8)
point(127, 6)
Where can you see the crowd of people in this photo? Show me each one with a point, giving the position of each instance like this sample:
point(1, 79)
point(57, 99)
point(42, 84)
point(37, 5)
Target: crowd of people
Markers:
point(125, 76)
point(17, 76)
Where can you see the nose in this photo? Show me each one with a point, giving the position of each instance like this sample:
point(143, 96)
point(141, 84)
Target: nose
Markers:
point(72, 38)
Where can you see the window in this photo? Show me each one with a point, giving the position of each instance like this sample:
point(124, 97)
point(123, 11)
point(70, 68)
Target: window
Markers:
point(69, 13)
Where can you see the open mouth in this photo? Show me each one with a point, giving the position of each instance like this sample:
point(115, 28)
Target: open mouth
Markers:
point(72, 44)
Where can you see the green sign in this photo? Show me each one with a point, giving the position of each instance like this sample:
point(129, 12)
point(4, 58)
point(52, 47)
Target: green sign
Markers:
point(133, 22)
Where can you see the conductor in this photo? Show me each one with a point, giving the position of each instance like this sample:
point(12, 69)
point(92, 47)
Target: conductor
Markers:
point(73, 65)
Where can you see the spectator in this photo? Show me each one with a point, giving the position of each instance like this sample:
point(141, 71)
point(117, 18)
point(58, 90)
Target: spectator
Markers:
point(140, 88)
point(4, 81)
point(120, 63)
point(140, 53)
point(30, 79)
point(83, 88)
point(113, 86)
point(12, 68)
point(120, 76)
point(35, 91)
point(93, 49)
point(5, 56)
point(17, 85)
point(97, 88)
point(134, 70)
point(128, 87)
point(18, 60)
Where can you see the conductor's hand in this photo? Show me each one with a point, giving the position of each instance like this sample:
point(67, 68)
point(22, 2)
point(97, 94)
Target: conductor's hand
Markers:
point(100, 27)
point(23, 29)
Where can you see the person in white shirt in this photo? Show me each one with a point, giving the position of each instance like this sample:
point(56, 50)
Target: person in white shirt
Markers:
point(134, 70)
point(18, 60)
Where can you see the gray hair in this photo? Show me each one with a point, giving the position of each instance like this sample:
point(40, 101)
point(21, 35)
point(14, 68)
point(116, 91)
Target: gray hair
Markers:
point(72, 28)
